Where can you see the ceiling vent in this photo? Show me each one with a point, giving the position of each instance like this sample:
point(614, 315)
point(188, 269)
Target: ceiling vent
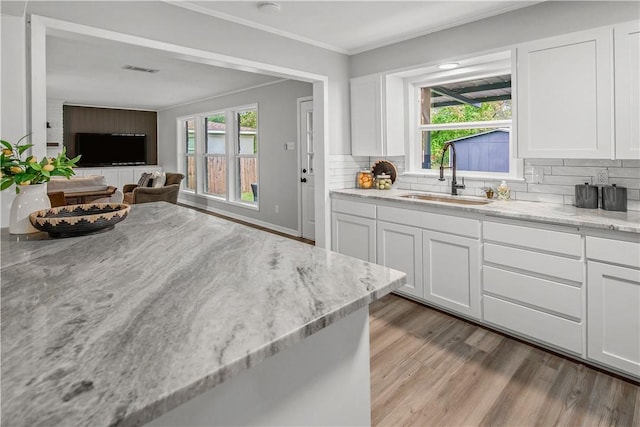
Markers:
point(141, 69)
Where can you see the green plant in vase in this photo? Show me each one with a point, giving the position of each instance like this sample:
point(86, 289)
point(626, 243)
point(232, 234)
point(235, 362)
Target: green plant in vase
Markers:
point(16, 170)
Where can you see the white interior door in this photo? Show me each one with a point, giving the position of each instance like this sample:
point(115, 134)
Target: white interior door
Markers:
point(307, 208)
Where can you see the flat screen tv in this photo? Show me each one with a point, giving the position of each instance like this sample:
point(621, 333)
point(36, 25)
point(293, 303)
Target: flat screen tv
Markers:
point(111, 149)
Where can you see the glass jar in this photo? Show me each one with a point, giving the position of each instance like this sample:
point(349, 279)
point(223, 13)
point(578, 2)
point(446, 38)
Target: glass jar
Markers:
point(383, 182)
point(364, 179)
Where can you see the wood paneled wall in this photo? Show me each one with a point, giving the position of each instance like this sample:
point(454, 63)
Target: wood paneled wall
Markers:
point(110, 120)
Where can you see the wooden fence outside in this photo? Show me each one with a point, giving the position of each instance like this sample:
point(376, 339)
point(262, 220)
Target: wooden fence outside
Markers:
point(216, 168)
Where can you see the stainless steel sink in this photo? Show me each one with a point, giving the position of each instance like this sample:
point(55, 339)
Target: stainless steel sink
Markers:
point(445, 199)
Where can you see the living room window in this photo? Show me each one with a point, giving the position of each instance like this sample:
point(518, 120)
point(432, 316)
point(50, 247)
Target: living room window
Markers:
point(220, 151)
point(471, 107)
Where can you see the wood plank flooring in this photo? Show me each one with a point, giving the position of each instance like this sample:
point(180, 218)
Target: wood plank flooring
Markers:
point(432, 369)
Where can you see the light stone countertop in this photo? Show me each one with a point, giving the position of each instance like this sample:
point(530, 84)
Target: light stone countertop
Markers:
point(531, 211)
point(119, 327)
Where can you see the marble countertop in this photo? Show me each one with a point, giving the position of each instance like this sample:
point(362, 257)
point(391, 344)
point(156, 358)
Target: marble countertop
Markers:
point(118, 328)
point(532, 211)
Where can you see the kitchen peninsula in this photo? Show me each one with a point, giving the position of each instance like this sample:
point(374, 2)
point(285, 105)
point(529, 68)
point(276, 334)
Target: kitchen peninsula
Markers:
point(123, 327)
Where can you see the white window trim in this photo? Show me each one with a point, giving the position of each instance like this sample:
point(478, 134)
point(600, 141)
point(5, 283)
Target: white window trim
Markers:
point(477, 71)
point(182, 151)
point(231, 154)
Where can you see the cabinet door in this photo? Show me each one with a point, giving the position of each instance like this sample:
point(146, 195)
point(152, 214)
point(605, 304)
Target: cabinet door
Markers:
point(400, 248)
point(111, 175)
point(627, 88)
point(451, 272)
point(354, 236)
point(126, 176)
point(564, 96)
point(366, 116)
point(613, 316)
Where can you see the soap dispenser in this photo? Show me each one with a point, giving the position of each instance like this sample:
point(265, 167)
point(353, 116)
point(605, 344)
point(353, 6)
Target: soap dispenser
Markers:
point(503, 191)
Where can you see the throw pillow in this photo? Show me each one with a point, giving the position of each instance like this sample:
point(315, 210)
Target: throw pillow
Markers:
point(159, 179)
point(144, 179)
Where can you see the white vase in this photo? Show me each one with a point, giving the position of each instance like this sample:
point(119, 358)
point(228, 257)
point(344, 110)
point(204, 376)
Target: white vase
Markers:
point(31, 198)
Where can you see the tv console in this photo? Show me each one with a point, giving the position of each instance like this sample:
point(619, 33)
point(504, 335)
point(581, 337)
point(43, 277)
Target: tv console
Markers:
point(118, 176)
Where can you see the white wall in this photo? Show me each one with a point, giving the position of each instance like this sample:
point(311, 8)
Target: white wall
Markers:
point(13, 113)
point(278, 168)
point(535, 22)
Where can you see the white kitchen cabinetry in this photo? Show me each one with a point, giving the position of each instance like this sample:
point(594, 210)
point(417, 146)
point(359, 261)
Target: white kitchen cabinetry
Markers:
point(377, 116)
point(613, 283)
point(627, 90)
point(353, 229)
point(400, 248)
point(451, 272)
point(443, 267)
point(533, 282)
point(565, 96)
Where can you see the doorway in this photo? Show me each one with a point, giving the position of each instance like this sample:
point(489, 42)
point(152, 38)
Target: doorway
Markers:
point(307, 172)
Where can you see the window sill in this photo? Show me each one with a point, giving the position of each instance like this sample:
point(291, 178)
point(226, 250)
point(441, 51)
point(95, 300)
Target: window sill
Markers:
point(249, 206)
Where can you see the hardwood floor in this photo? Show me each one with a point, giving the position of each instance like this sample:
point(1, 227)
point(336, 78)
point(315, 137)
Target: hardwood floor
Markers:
point(432, 369)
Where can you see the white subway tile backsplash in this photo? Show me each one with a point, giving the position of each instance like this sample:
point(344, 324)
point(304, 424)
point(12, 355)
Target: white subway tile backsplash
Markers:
point(544, 162)
point(540, 197)
point(552, 189)
point(558, 183)
point(631, 163)
point(574, 170)
point(593, 162)
point(624, 172)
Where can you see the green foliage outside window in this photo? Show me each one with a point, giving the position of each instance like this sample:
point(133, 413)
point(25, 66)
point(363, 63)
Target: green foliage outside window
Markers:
point(488, 111)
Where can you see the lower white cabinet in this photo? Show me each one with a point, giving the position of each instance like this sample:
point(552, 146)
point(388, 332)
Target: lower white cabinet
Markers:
point(613, 303)
point(451, 272)
point(354, 236)
point(400, 248)
point(353, 229)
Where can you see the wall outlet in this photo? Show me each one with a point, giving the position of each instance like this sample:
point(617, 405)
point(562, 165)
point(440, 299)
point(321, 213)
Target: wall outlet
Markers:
point(276, 209)
point(602, 177)
point(537, 175)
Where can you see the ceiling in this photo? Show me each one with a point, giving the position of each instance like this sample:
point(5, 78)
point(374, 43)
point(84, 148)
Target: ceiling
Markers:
point(354, 26)
point(88, 71)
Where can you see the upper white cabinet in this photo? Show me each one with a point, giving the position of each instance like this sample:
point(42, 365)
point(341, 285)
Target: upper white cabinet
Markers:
point(627, 90)
point(377, 116)
point(565, 98)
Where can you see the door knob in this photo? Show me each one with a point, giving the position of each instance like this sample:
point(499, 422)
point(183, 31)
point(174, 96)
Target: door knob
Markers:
point(304, 171)
point(303, 179)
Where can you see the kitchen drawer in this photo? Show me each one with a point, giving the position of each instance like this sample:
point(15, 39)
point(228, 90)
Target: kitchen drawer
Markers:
point(532, 323)
point(534, 238)
point(550, 265)
point(353, 208)
point(614, 251)
point(565, 300)
point(467, 227)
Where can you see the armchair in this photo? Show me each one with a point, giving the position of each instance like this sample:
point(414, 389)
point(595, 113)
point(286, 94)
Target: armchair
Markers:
point(134, 194)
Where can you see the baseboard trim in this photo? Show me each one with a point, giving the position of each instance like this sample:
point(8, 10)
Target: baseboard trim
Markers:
point(268, 225)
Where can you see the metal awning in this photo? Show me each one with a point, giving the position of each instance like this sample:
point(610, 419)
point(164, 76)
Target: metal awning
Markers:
point(472, 92)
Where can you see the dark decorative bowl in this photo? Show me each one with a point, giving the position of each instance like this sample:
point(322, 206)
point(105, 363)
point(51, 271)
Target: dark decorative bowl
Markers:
point(76, 220)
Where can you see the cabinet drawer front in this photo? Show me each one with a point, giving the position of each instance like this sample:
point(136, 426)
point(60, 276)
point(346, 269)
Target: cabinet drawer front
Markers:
point(541, 326)
point(614, 251)
point(553, 296)
point(550, 265)
point(353, 208)
point(447, 224)
point(533, 238)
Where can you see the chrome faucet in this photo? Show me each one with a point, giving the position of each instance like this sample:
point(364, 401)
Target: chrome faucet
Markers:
point(454, 183)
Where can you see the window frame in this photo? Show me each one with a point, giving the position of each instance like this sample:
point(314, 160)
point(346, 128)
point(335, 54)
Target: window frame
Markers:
point(232, 147)
point(433, 77)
